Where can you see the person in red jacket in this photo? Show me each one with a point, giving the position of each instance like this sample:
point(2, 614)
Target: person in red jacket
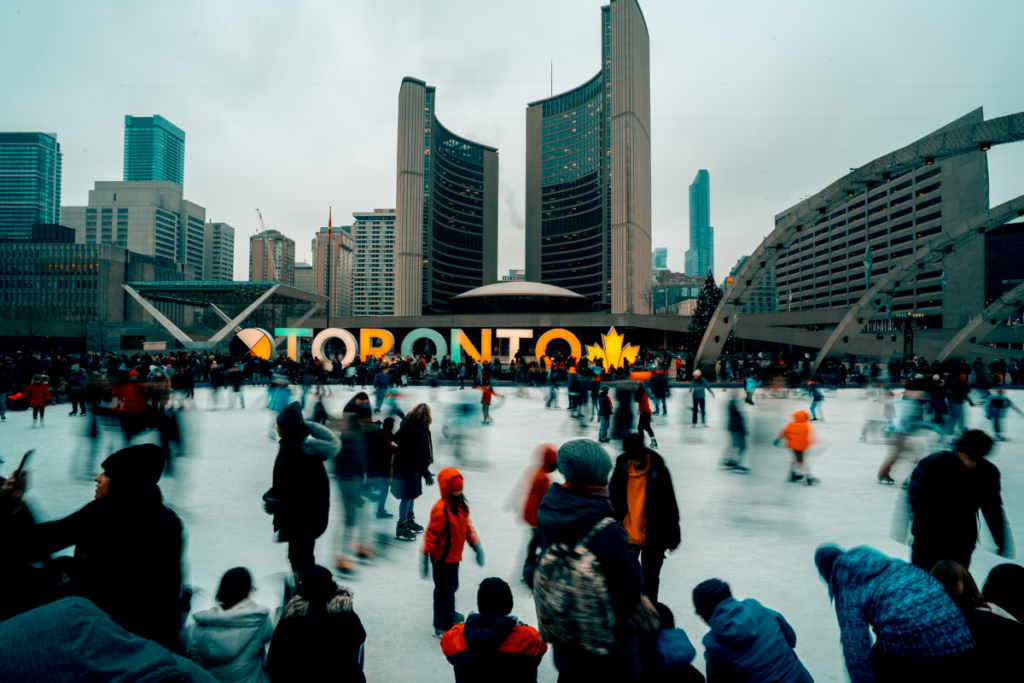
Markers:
point(487, 392)
point(644, 409)
point(446, 536)
point(38, 395)
point(493, 645)
point(547, 462)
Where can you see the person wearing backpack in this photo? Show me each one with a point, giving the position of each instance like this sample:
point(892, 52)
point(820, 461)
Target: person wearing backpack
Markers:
point(586, 554)
point(446, 536)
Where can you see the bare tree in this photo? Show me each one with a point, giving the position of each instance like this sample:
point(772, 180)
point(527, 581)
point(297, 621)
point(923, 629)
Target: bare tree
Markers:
point(99, 331)
point(28, 323)
point(647, 297)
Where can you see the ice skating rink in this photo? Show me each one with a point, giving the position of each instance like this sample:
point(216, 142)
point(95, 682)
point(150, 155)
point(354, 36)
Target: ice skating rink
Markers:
point(756, 531)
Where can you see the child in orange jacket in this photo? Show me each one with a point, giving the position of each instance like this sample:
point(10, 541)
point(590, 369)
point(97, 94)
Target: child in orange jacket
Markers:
point(443, 542)
point(799, 437)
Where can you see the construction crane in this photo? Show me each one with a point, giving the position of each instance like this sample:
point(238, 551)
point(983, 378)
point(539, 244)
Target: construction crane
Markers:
point(266, 246)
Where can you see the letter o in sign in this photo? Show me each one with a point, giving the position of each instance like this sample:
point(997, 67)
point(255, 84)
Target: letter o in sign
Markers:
point(351, 346)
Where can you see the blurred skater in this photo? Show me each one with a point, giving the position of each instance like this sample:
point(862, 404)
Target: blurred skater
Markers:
point(799, 437)
point(816, 398)
point(486, 393)
point(411, 467)
point(738, 432)
point(644, 410)
point(604, 413)
point(447, 533)
point(351, 465)
point(382, 449)
point(998, 404)
point(546, 456)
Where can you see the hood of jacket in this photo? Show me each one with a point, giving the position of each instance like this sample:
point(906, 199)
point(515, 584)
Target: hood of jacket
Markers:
point(800, 416)
point(858, 566)
point(487, 631)
point(298, 605)
point(229, 631)
point(321, 442)
point(448, 480)
point(567, 517)
point(657, 462)
point(674, 648)
point(733, 623)
point(547, 456)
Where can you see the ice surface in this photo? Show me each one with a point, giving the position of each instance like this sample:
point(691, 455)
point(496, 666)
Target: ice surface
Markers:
point(755, 531)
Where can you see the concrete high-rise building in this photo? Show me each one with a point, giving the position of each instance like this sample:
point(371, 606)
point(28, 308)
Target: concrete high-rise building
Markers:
point(765, 296)
point(516, 274)
point(446, 227)
point(700, 257)
point(332, 276)
point(373, 280)
point(150, 218)
point(588, 173)
point(659, 259)
point(30, 170)
point(154, 149)
point(303, 275)
point(670, 288)
point(271, 258)
point(218, 252)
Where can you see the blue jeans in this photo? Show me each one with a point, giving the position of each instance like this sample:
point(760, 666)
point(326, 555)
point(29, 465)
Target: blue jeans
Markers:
point(814, 407)
point(405, 509)
point(382, 489)
point(698, 404)
point(660, 402)
point(605, 424)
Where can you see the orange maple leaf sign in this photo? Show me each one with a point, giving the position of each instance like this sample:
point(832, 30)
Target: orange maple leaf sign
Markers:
point(613, 353)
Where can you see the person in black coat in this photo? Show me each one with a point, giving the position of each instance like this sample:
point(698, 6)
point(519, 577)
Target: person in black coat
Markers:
point(300, 497)
point(128, 546)
point(644, 500)
point(319, 637)
point(946, 491)
point(411, 466)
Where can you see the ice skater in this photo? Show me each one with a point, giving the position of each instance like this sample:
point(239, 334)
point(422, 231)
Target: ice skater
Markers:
point(486, 393)
point(697, 388)
point(447, 533)
point(546, 456)
point(997, 407)
point(816, 398)
point(644, 411)
point(799, 437)
point(738, 432)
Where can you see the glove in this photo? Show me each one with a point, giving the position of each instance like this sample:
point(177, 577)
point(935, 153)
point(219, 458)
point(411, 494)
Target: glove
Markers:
point(479, 554)
point(776, 442)
point(425, 567)
point(430, 480)
point(271, 505)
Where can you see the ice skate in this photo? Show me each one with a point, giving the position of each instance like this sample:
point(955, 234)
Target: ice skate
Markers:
point(886, 480)
point(403, 533)
point(412, 525)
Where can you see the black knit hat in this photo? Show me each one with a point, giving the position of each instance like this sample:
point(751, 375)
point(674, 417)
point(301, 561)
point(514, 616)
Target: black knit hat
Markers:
point(139, 465)
point(494, 597)
point(291, 416)
point(974, 443)
point(824, 558)
point(708, 594)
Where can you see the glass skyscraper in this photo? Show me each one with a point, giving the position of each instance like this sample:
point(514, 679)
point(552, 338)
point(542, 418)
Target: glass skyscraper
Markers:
point(30, 168)
point(659, 259)
point(154, 149)
point(588, 173)
point(700, 257)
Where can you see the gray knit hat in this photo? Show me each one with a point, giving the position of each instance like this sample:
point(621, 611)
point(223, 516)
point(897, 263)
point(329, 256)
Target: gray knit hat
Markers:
point(582, 461)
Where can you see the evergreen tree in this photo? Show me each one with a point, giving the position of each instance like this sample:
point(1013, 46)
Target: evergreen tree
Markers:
point(707, 302)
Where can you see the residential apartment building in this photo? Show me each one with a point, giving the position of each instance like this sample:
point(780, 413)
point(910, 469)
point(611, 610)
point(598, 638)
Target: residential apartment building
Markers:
point(878, 226)
point(303, 275)
point(588, 172)
point(373, 278)
point(659, 259)
point(333, 267)
point(764, 298)
point(446, 208)
point(271, 258)
point(30, 176)
point(218, 252)
point(151, 218)
point(154, 150)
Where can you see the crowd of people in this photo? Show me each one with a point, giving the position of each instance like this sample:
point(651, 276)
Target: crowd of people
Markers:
point(600, 535)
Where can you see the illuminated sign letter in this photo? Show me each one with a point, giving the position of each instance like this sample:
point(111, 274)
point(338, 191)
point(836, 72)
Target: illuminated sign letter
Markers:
point(366, 337)
point(513, 337)
point(351, 346)
point(461, 341)
point(293, 333)
point(611, 352)
point(440, 347)
point(575, 349)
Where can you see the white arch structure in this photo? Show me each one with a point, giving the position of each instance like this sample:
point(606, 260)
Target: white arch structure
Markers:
point(967, 338)
point(933, 148)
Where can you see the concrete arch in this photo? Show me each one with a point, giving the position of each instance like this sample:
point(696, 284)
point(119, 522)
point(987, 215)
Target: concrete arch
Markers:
point(934, 250)
point(943, 144)
point(975, 331)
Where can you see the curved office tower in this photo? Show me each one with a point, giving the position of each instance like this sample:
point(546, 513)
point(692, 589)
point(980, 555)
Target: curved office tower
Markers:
point(588, 174)
point(446, 228)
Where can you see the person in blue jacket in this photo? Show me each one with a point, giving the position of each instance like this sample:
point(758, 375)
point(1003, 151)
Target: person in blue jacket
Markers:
point(747, 641)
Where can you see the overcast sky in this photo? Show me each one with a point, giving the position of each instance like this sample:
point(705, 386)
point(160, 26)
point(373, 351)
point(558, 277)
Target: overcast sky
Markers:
point(292, 106)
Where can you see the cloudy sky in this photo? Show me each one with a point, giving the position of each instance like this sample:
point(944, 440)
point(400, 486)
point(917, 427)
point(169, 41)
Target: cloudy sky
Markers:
point(291, 106)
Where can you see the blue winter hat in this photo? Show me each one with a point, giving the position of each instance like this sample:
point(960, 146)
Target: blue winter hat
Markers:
point(582, 461)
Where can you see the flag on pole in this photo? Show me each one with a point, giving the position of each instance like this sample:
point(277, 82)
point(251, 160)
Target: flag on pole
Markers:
point(329, 221)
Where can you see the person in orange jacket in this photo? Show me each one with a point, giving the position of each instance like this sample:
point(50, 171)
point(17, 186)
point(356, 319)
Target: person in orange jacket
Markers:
point(493, 645)
point(799, 436)
point(487, 392)
point(446, 536)
point(546, 455)
point(38, 395)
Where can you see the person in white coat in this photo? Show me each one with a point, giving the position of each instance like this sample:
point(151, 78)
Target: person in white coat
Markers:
point(229, 640)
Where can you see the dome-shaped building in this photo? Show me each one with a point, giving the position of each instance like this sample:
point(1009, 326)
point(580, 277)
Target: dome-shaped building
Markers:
point(517, 296)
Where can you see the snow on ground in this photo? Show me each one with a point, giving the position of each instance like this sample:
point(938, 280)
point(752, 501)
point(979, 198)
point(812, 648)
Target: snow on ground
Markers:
point(757, 531)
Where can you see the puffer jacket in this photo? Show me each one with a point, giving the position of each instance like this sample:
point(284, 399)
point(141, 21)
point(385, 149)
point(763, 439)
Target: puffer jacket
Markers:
point(489, 648)
point(798, 434)
point(749, 642)
point(301, 490)
point(412, 459)
point(310, 646)
point(661, 509)
point(909, 612)
point(229, 643)
point(79, 381)
point(448, 530)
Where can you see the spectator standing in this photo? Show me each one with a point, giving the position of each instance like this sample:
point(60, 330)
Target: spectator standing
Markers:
point(644, 500)
point(447, 533)
point(946, 491)
point(747, 641)
point(228, 640)
point(493, 645)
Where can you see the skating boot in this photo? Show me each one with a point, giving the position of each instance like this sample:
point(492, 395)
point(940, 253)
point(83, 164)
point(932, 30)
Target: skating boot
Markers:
point(344, 565)
point(438, 633)
point(412, 525)
point(812, 480)
point(364, 552)
point(403, 533)
point(886, 480)
point(793, 476)
point(460, 618)
point(654, 443)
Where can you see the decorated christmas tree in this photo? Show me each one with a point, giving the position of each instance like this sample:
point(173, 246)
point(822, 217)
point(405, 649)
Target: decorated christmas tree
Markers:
point(707, 302)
